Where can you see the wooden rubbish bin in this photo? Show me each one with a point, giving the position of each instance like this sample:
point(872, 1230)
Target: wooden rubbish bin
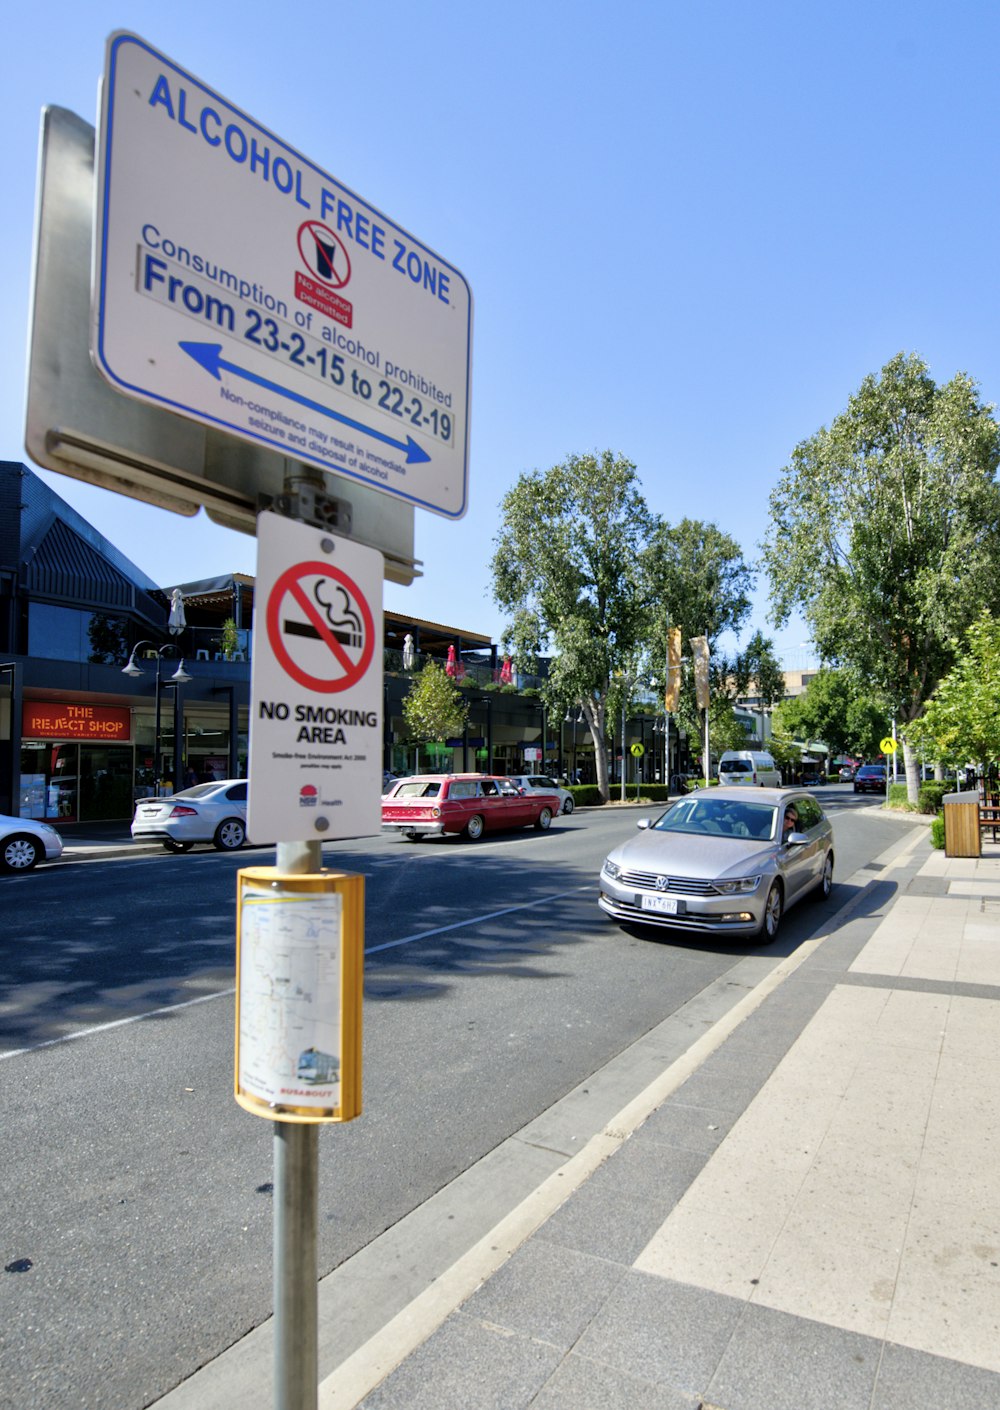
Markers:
point(961, 825)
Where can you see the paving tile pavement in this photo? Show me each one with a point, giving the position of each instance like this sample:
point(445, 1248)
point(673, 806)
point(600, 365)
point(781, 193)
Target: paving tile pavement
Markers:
point(811, 1220)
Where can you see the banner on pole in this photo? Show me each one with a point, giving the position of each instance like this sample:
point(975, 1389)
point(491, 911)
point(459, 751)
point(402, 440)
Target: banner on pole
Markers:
point(672, 695)
point(699, 648)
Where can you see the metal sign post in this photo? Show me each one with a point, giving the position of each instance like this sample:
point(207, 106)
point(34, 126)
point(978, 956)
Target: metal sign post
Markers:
point(299, 961)
point(296, 1335)
point(888, 748)
point(637, 751)
point(315, 741)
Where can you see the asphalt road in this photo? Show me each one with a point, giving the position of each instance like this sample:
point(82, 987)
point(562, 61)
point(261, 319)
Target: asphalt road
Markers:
point(136, 1239)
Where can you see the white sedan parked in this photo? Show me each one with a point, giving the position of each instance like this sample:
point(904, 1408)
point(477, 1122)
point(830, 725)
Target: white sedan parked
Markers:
point(25, 842)
point(208, 812)
point(542, 783)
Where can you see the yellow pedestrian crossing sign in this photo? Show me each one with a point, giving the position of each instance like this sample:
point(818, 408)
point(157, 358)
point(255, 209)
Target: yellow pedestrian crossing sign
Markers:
point(887, 745)
point(636, 750)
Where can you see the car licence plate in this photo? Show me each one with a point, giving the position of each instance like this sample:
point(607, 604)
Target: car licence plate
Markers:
point(666, 905)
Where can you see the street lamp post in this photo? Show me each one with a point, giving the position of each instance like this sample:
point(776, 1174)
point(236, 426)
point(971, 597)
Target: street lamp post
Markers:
point(574, 720)
point(179, 677)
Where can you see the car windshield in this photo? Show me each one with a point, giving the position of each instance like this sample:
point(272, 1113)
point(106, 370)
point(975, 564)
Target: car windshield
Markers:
point(872, 771)
point(719, 817)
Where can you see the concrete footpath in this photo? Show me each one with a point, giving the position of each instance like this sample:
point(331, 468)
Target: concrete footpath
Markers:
point(801, 1211)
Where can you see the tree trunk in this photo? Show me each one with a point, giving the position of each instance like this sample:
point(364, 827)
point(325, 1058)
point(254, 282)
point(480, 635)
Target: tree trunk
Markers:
point(594, 715)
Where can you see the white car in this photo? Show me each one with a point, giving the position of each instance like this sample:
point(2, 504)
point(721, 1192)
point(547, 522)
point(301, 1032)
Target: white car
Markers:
point(25, 842)
point(208, 812)
point(541, 783)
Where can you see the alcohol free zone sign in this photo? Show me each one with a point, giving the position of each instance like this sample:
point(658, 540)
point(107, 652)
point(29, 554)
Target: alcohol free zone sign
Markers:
point(239, 284)
point(315, 687)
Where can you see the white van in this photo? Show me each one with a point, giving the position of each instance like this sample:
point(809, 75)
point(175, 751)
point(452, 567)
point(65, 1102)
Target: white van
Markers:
point(749, 766)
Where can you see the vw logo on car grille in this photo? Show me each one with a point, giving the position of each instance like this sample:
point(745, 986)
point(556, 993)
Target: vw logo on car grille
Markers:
point(662, 882)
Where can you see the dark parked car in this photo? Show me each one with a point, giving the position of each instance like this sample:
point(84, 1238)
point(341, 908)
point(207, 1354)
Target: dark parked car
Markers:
point(870, 778)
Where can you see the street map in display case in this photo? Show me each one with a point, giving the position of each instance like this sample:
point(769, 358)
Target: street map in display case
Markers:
point(289, 997)
point(239, 284)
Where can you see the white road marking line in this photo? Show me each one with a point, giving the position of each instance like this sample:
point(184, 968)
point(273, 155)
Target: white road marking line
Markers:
point(474, 920)
point(116, 1023)
point(224, 993)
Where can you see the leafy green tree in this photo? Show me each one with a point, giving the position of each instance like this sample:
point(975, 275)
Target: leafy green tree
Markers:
point(762, 672)
point(961, 720)
point(698, 580)
point(434, 708)
point(782, 748)
point(836, 709)
point(229, 640)
point(885, 533)
point(725, 731)
point(566, 567)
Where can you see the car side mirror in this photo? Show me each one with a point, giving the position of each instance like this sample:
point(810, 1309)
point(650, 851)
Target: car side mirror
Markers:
point(796, 839)
point(643, 823)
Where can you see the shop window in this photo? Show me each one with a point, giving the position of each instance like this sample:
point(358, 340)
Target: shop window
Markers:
point(49, 781)
point(71, 634)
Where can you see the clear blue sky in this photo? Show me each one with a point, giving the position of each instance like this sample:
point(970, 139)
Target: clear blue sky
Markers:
point(690, 230)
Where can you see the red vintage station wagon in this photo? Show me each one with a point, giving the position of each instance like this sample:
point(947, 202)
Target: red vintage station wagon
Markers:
point(430, 804)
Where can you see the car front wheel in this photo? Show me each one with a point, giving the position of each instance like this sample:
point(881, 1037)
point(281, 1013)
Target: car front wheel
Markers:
point(544, 819)
point(772, 914)
point(475, 828)
point(20, 853)
point(230, 835)
point(568, 806)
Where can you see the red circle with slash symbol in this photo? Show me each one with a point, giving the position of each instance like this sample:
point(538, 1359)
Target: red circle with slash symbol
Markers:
point(320, 627)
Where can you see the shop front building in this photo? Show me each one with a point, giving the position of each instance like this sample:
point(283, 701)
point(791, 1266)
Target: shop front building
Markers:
point(77, 761)
point(82, 736)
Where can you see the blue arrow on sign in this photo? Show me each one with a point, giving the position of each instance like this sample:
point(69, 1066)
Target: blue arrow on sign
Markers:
point(209, 356)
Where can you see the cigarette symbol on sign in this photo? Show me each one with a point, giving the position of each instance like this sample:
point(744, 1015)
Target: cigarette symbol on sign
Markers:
point(320, 627)
point(346, 628)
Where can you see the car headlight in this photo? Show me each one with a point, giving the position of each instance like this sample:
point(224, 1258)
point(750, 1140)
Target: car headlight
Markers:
point(741, 886)
point(611, 869)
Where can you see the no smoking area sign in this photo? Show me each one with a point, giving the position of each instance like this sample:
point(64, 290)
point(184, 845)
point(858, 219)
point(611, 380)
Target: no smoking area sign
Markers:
point(316, 686)
point(320, 627)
